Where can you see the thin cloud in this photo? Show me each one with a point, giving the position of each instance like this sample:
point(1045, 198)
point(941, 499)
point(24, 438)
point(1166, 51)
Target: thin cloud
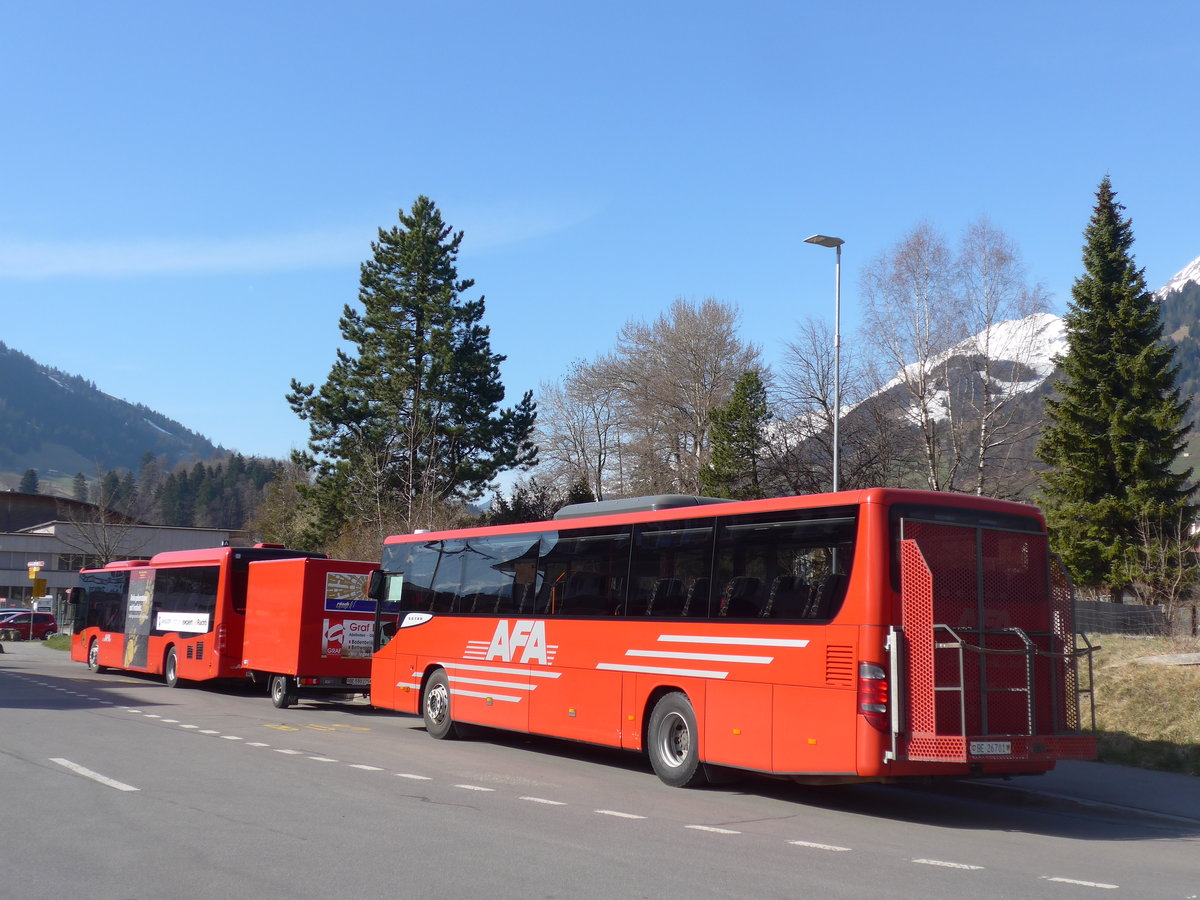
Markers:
point(487, 228)
point(24, 259)
point(492, 226)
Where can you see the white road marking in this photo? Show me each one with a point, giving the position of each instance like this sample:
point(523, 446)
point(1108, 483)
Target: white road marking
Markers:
point(209, 731)
point(1095, 884)
point(811, 846)
point(257, 744)
point(619, 815)
point(413, 777)
point(365, 768)
point(946, 865)
point(712, 828)
point(189, 726)
point(322, 759)
point(230, 737)
point(289, 752)
point(475, 787)
point(95, 776)
point(543, 801)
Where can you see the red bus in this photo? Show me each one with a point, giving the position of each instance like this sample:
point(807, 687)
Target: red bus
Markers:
point(179, 614)
point(871, 635)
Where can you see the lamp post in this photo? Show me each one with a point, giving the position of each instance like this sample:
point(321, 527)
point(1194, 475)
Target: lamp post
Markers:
point(824, 240)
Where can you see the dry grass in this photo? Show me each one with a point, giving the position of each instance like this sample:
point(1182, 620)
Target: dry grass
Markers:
point(1147, 715)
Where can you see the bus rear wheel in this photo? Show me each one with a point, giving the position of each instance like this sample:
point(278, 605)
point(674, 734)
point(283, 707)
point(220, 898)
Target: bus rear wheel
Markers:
point(435, 707)
point(171, 669)
point(671, 741)
point(283, 691)
point(93, 657)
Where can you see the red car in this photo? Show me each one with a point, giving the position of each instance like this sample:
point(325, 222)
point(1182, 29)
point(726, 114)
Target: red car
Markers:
point(30, 625)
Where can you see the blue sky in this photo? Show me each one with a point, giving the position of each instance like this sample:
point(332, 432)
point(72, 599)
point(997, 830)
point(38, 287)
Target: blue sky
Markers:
point(188, 189)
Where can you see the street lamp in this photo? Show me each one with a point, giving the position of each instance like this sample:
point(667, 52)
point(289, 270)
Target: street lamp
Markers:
point(824, 240)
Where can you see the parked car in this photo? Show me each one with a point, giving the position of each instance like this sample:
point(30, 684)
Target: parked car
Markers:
point(29, 626)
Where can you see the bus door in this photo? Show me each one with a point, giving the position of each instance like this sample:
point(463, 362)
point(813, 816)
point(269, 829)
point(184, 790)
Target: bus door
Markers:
point(984, 659)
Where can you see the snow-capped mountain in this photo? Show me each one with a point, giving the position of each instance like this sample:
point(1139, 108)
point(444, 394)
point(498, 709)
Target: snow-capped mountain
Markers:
point(1190, 272)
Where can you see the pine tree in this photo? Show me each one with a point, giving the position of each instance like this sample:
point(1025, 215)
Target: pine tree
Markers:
point(79, 489)
point(29, 482)
point(412, 419)
point(1116, 428)
point(736, 439)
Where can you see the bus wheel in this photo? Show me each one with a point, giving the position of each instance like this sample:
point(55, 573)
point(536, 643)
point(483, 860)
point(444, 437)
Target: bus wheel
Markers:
point(671, 741)
point(93, 657)
point(171, 669)
point(435, 707)
point(283, 694)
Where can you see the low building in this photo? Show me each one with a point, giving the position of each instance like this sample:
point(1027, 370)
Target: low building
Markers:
point(65, 536)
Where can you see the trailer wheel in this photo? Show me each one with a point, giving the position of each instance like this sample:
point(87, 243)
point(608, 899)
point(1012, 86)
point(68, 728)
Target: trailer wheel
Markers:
point(171, 669)
point(435, 707)
point(671, 741)
point(93, 657)
point(283, 692)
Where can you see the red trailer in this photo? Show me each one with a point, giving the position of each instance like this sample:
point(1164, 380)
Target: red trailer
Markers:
point(309, 628)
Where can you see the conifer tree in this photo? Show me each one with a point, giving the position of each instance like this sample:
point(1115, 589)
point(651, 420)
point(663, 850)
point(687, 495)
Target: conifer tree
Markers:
point(29, 482)
point(736, 440)
point(411, 417)
point(1117, 426)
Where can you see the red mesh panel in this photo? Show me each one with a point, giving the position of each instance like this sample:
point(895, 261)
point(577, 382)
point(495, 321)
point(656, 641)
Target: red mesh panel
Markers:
point(1014, 581)
point(950, 554)
point(917, 589)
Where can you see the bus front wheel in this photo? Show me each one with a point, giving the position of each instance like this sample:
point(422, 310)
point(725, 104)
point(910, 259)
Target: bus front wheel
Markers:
point(671, 741)
point(283, 694)
point(171, 669)
point(435, 707)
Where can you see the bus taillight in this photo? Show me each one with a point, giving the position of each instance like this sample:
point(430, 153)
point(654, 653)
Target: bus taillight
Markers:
point(873, 694)
point(222, 637)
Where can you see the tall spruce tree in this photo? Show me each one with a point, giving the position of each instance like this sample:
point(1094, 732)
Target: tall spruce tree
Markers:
point(412, 418)
point(1117, 426)
point(736, 438)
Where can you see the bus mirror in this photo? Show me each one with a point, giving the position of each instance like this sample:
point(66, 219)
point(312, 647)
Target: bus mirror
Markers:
point(377, 585)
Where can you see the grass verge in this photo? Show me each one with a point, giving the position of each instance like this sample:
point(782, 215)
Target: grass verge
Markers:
point(1147, 714)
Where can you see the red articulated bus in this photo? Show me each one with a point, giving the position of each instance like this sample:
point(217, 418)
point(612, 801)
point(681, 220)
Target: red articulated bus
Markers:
point(870, 635)
point(180, 614)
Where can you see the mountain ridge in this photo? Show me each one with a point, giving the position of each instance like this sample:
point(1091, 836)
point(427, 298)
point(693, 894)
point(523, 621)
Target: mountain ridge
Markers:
point(59, 424)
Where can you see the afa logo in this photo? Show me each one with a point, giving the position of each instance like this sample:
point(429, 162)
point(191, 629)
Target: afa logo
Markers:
point(526, 637)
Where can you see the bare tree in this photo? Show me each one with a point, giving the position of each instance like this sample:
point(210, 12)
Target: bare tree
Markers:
point(1000, 309)
point(98, 531)
point(1162, 568)
point(913, 317)
point(671, 375)
point(579, 430)
point(875, 448)
point(637, 420)
point(961, 334)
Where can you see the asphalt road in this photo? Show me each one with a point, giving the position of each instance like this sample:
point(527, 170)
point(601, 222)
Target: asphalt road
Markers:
point(114, 786)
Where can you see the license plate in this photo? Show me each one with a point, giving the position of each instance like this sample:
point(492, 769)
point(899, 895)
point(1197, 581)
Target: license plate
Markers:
point(991, 748)
point(358, 682)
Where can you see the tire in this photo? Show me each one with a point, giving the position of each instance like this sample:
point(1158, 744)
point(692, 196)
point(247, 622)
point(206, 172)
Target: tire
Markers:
point(283, 691)
point(435, 707)
point(171, 669)
point(93, 657)
point(672, 741)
